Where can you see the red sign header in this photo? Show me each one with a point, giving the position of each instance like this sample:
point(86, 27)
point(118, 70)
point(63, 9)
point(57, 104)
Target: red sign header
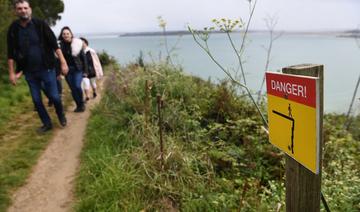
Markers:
point(300, 89)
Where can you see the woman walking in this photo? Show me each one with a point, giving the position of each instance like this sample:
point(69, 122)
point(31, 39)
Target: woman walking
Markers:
point(72, 49)
point(95, 70)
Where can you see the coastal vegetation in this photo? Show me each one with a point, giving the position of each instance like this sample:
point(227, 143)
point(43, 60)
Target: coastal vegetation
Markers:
point(216, 155)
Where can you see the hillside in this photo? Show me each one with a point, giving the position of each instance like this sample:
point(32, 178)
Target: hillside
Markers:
point(216, 157)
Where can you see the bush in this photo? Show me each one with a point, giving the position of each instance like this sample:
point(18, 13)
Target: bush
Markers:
point(106, 59)
point(217, 158)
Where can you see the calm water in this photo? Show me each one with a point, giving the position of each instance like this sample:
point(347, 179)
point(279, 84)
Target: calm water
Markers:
point(340, 57)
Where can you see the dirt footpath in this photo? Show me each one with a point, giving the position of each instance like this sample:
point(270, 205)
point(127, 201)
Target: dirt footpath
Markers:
point(50, 186)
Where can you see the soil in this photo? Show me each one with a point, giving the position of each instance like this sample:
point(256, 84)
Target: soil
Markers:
point(50, 186)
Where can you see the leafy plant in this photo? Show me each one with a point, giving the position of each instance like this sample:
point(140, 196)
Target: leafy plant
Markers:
point(105, 58)
point(170, 50)
point(227, 26)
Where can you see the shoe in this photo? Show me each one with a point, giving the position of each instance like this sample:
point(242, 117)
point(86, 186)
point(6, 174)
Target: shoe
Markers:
point(80, 109)
point(44, 129)
point(63, 121)
point(94, 95)
point(87, 99)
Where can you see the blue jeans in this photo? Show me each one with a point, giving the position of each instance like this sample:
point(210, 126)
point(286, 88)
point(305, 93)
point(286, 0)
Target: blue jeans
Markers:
point(59, 88)
point(46, 78)
point(74, 79)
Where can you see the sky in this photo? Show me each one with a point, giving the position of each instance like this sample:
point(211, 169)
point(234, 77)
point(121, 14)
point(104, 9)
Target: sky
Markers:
point(107, 16)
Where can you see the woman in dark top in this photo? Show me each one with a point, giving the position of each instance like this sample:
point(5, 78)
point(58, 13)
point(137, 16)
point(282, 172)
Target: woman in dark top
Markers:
point(72, 49)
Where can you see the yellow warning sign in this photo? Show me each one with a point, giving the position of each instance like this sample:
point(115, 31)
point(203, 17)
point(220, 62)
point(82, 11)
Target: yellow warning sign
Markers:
point(293, 117)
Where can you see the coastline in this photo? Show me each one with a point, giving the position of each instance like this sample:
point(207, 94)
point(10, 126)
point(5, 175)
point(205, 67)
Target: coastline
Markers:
point(344, 34)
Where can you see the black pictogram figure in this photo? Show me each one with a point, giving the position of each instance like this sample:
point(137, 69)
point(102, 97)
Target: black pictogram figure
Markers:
point(289, 117)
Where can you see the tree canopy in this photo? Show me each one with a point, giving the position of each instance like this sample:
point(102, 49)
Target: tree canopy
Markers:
point(6, 16)
point(48, 10)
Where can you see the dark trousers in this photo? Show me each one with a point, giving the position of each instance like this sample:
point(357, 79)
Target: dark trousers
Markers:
point(46, 78)
point(74, 79)
point(59, 88)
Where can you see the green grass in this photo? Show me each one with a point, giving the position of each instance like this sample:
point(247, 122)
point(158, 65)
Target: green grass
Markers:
point(14, 100)
point(16, 164)
point(120, 167)
point(20, 144)
point(217, 158)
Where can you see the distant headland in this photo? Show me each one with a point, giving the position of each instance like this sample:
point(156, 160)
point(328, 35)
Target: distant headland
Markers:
point(348, 33)
point(351, 34)
point(337, 33)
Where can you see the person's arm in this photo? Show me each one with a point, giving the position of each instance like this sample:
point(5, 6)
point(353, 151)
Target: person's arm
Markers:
point(97, 65)
point(12, 75)
point(11, 55)
point(51, 39)
point(63, 65)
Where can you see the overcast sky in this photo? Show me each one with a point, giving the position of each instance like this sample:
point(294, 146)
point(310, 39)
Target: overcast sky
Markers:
point(94, 16)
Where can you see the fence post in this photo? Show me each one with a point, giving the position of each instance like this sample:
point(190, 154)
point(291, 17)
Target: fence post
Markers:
point(303, 188)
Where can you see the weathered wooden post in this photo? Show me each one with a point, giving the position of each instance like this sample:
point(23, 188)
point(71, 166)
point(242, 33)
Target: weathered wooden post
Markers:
point(295, 114)
point(303, 187)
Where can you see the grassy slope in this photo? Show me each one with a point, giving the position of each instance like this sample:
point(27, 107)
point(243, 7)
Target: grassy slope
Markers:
point(20, 145)
point(216, 156)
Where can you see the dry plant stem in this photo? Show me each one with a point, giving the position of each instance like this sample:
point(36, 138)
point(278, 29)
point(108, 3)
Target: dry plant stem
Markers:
point(268, 53)
point(168, 58)
point(238, 56)
point(206, 49)
point(159, 101)
point(252, 10)
point(270, 25)
point(348, 120)
point(147, 105)
point(173, 48)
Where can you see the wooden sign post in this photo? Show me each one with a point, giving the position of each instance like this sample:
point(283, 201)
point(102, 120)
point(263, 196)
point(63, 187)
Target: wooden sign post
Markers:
point(303, 187)
point(295, 114)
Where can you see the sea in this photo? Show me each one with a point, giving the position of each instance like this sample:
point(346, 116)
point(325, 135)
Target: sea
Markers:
point(339, 55)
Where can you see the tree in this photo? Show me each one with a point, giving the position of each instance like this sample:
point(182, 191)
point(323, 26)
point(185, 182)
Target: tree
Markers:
point(6, 16)
point(48, 10)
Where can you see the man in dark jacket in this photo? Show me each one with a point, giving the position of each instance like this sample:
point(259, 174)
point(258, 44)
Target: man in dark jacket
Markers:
point(31, 45)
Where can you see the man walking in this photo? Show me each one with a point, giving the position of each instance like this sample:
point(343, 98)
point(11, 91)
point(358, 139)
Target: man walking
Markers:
point(31, 45)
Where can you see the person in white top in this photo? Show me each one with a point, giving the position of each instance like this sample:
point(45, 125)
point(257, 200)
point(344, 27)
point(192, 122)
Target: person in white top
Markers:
point(95, 70)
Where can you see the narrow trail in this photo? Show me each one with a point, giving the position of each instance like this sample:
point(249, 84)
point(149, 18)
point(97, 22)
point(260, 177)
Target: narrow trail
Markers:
point(51, 183)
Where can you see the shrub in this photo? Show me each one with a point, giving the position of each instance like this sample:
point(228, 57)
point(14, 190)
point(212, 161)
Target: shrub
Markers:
point(106, 59)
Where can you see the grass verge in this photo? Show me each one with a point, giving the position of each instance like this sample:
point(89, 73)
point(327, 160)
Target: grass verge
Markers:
point(20, 144)
point(216, 156)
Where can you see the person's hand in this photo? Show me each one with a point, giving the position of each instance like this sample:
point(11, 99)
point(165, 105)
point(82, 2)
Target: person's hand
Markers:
point(19, 74)
point(13, 78)
point(64, 69)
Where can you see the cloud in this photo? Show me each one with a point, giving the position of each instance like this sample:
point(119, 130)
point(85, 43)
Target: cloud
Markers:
point(140, 15)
